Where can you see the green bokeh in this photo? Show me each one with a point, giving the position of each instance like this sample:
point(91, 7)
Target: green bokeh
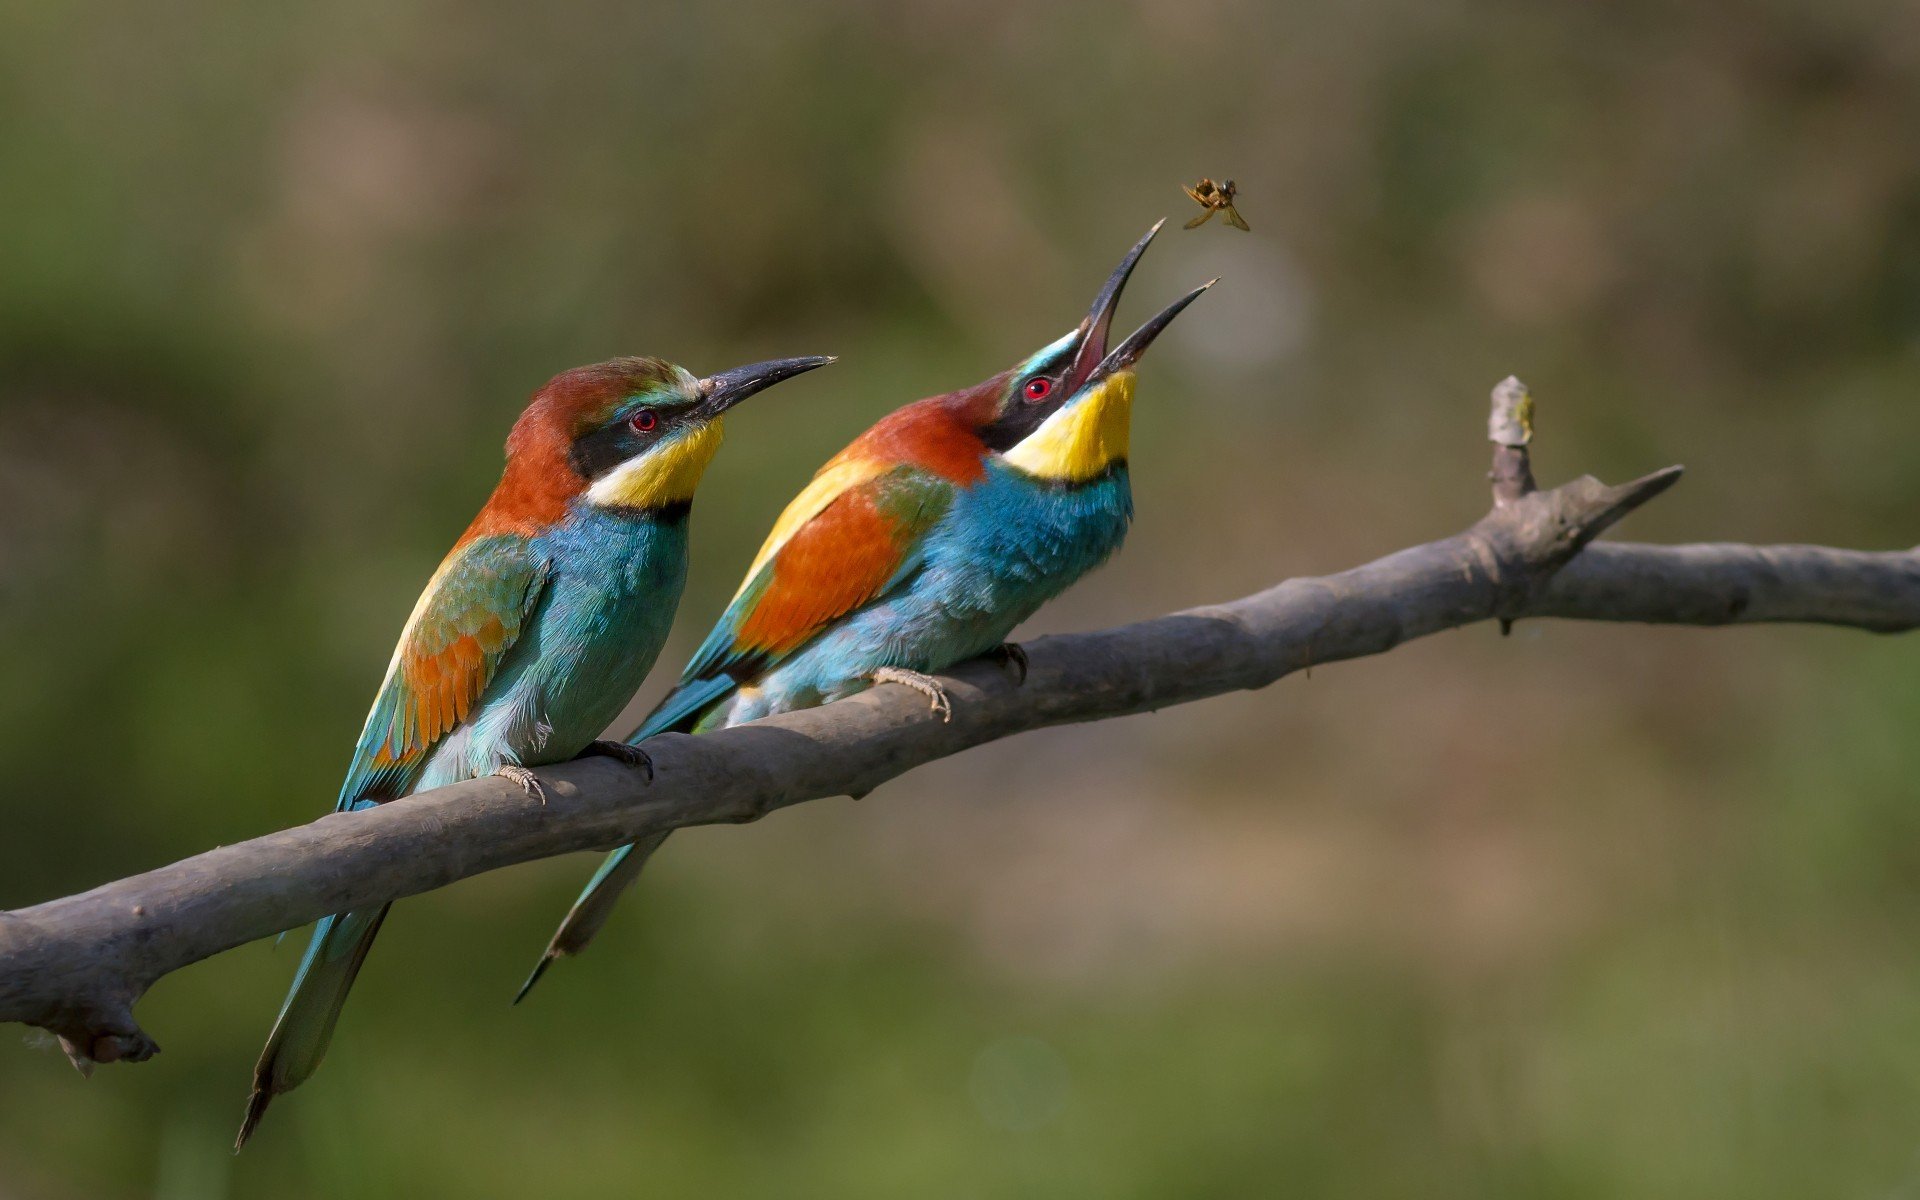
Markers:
point(1579, 913)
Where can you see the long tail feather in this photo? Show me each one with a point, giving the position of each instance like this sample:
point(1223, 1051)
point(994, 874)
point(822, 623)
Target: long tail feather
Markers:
point(617, 873)
point(684, 707)
point(305, 1025)
point(681, 711)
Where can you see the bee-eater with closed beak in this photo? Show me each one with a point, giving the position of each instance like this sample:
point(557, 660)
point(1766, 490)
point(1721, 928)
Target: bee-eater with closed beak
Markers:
point(537, 628)
point(920, 545)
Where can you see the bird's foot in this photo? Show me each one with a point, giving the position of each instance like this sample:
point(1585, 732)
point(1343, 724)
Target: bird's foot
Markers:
point(624, 753)
point(1011, 654)
point(528, 781)
point(926, 685)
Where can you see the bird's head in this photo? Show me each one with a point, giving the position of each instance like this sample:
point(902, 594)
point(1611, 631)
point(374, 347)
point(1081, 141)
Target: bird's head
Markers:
point(1064, 413)
point(630, 433)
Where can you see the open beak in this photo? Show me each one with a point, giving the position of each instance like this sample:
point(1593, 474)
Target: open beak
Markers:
point(1129, 352)
point(718, 393)
point(1094, 330)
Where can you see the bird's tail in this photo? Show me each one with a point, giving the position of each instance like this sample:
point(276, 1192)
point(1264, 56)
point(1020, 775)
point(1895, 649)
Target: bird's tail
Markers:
point(617, 873)
point(305, 1025)
point(686, 708)
point(683, 710)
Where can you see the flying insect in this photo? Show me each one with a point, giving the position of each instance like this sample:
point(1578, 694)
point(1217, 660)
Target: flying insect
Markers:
point(1214, 198)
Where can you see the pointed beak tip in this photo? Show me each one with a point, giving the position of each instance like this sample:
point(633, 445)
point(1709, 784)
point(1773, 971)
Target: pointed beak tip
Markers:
point(1099, 319)
point(729, 388)
point(1130, 351)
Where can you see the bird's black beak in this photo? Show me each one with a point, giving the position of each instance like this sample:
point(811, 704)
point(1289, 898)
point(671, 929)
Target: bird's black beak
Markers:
point(718, 393)
point(1129, 352)
point(1094, 330)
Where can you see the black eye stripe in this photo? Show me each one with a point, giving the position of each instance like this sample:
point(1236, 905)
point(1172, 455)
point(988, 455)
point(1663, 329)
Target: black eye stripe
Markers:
point(1023, 412)
point(596, 453)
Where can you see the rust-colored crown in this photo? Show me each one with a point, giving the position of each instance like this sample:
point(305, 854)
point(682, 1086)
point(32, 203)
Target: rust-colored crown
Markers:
point(539, 481)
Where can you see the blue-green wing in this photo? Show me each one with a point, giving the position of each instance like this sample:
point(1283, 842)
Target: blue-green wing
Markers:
point(473, 609)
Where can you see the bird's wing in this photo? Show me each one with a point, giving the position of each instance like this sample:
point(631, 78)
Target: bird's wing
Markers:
point(834, 550)
point(464, 623)
point(851, 536)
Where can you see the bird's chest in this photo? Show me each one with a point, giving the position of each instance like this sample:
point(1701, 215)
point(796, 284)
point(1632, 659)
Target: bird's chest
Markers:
point(614, 590)
point(1023, 542)
point(601, 621)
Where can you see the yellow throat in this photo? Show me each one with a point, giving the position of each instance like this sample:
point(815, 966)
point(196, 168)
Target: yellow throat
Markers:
point(1080, 441)
point(662, 477)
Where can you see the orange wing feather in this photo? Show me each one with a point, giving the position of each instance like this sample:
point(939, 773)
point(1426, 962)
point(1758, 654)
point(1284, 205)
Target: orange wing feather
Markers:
point(845, 556)
point(463, 626)
point(829, 567)
point(832, 552)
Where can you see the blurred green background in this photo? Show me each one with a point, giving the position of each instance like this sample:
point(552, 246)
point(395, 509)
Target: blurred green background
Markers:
point(274, 281)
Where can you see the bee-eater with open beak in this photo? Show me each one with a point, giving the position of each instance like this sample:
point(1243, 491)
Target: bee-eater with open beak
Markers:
point(920, 545)
point(536, 630)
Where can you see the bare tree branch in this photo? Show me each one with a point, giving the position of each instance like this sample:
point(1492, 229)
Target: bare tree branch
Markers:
point(77, 965)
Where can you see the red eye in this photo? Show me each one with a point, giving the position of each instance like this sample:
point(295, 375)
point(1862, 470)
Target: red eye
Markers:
point(1038, 387)
point(644, 420)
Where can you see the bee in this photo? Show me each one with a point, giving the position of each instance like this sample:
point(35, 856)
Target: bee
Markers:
point(1214, 197)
